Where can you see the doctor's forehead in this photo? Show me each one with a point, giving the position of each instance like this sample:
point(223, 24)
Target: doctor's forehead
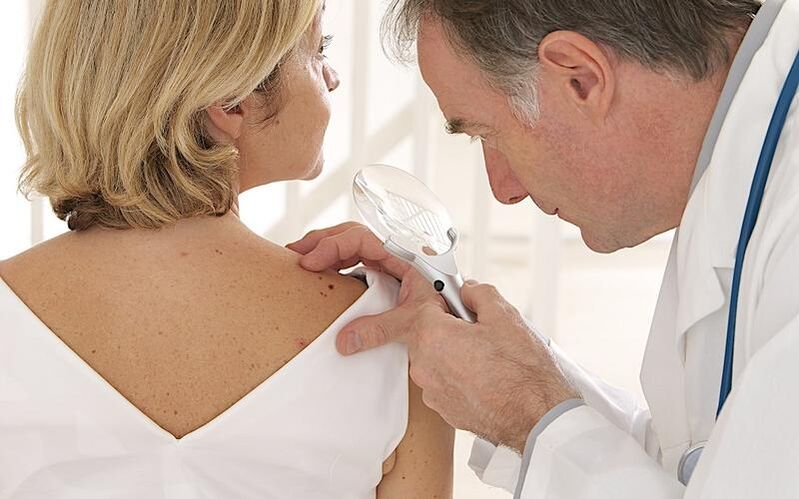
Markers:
point(442, 64)
point(463, 94)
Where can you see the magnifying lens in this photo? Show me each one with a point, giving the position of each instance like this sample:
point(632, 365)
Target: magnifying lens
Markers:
point(414, 226)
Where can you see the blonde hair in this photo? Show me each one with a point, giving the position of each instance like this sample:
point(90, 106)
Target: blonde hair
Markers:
point(111, 105)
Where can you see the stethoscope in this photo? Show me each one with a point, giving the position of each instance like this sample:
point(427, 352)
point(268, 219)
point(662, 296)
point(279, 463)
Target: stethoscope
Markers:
point(691, 457)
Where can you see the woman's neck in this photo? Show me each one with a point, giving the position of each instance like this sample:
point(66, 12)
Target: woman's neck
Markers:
point(202, 232)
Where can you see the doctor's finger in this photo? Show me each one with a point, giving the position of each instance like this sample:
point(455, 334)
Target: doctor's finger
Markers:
point(354, 244)
point(365, 333)
point(485, 301)
point(416, 291)
point(310, 240)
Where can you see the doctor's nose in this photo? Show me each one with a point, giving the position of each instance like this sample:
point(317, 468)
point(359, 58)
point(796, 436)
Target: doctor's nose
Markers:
point(504, 185)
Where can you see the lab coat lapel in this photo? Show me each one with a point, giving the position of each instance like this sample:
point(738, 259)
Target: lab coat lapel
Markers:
point(699, 292)
point(665, 393)
point(690, 292)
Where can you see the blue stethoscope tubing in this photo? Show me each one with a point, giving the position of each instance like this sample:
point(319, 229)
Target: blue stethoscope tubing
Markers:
point(756, 192)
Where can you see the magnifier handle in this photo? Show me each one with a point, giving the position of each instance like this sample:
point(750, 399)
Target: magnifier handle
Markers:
point(449, 286)
point(451, 291)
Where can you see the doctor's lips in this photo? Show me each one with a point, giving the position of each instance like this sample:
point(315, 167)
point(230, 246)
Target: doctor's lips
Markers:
point(551, 212)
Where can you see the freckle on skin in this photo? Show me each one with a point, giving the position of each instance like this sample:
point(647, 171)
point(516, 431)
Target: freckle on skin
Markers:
point(184, 253)
point(302, 343)
point(94, 351)
point(330, 286)
point(176, 412)
point(217, 252)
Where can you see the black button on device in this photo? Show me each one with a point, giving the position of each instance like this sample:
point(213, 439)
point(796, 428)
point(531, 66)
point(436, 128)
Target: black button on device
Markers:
point(439, 285)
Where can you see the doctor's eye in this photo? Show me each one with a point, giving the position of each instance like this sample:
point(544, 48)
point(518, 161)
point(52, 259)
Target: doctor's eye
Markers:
point(325, 43)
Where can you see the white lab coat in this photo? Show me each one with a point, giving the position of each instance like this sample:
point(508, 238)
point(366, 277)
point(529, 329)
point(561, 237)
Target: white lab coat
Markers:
point(610, 448)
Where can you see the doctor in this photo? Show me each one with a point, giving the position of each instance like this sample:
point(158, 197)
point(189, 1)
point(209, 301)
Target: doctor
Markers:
point(626, 119)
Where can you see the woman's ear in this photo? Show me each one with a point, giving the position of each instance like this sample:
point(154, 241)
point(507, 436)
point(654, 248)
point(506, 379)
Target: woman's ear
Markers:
point(225, 124)
point(583, 72)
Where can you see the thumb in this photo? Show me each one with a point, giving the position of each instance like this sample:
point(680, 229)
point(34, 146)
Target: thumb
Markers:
point(365, 333)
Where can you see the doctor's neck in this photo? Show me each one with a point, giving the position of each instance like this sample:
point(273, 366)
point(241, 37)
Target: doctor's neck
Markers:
point(695, 105)
point(686, 107)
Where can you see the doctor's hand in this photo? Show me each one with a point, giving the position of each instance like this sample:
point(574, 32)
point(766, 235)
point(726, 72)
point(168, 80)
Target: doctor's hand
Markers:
point(494, 378)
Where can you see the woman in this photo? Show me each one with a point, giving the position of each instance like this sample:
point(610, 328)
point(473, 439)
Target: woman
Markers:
point(160, 348)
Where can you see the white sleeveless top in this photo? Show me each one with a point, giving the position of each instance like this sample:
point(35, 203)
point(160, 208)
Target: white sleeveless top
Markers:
point(320, 427)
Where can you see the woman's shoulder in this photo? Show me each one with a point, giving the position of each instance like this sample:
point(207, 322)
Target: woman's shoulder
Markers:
point(35, 264)
point(381, 290)
point(255, 271)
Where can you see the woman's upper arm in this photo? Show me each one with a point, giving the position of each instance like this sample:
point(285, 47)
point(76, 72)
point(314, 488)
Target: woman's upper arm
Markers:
point(422, 465)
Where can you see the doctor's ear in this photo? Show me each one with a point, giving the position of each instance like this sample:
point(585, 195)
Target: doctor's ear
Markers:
point(581, 71)
point(225, 124)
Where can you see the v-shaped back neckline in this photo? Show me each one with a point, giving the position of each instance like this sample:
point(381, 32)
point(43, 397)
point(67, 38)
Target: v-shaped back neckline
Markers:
point(62, 348)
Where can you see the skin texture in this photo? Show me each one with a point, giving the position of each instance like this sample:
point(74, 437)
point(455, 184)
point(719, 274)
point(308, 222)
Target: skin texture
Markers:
point(186, 320)
point(612, 152)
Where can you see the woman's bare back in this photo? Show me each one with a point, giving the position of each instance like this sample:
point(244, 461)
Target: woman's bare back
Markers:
point(184, 321)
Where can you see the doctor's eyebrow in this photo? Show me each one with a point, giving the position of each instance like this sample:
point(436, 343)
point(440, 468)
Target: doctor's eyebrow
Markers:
point(460, 125)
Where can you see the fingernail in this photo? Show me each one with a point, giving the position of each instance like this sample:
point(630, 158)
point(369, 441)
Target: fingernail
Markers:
point(354, 343)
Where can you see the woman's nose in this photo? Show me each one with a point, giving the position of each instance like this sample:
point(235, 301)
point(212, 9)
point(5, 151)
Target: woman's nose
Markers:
point(331, 78)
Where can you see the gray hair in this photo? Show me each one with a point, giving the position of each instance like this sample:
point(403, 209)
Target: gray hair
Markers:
point(686, 38)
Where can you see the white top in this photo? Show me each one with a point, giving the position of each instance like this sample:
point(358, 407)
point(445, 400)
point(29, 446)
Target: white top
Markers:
point(319, 427)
